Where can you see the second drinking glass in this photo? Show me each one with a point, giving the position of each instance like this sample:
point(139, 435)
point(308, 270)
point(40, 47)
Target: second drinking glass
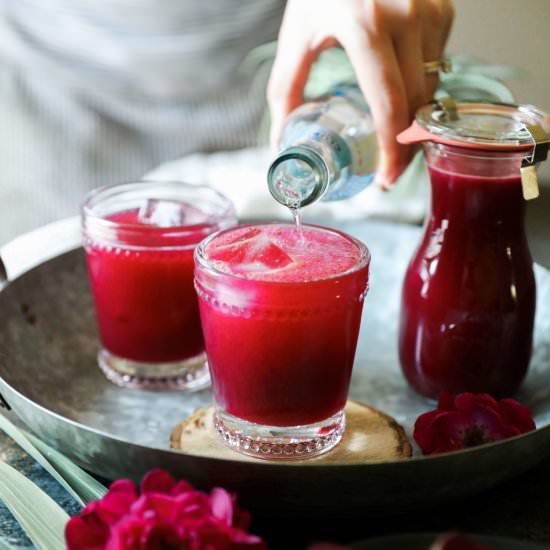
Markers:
point(139, 240)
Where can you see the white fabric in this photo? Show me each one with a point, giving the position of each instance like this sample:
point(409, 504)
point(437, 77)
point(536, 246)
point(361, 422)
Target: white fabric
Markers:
point(174, 50)
point(95, 92)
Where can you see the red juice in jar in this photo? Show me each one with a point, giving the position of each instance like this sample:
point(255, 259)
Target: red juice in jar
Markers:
point(281, 310)
point(139, 252)
point(468, 299)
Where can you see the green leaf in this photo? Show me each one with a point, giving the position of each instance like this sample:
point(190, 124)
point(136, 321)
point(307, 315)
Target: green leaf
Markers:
point(5, 545)
point(40, 517)
point(81, 485)
point(81, 481)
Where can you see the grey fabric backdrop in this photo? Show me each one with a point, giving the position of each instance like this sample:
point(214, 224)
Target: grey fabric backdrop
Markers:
point(100, 91)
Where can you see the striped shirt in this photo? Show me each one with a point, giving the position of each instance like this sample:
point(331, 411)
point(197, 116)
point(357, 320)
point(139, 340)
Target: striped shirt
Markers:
point(100, 91)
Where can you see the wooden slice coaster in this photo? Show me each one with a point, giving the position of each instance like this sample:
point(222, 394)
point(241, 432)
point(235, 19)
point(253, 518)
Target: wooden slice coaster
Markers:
point(370, 436)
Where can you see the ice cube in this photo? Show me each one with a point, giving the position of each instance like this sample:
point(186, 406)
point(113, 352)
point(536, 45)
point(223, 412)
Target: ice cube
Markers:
point(256, 252)
point(275, 257)
point(238, 237)
point(234, 247)
point(263, 251)
point(169, 213)
point(231, 254)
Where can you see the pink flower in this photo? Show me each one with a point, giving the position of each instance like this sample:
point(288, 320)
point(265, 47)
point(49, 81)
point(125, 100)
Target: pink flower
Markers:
point(468, 420)
point(162, 515)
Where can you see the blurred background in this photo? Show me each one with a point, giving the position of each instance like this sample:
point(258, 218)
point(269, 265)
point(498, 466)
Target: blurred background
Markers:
point(512, 33)
point(85, 102)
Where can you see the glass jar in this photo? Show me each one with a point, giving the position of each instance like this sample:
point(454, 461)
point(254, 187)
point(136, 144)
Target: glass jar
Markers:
point(468, 299)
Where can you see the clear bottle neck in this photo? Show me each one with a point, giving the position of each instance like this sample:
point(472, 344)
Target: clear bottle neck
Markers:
point(299, 175)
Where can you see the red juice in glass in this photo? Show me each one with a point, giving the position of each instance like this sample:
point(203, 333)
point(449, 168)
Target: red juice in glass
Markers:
point(139, 240)
point(468, 298)
point(281, 309)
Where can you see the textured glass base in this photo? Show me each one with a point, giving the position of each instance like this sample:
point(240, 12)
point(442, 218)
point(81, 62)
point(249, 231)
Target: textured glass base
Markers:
point(280, 442)
point(191, 374)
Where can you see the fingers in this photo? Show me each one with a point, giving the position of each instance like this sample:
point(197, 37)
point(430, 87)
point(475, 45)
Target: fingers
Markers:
point(293, 60)
point(305, 32)
point(436, 22)
point(409, 55)
point(287, 81)
point(379, 76)
point(408, 49)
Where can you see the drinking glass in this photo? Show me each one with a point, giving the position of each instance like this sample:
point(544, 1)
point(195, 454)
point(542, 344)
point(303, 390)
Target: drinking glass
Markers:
point(139, 240)
point(280, 311)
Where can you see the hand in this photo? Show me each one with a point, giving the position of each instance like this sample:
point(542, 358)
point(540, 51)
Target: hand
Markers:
point(387, 42)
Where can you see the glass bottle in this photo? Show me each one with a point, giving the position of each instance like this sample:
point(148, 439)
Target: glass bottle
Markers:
point(328, 150)
point(468, 299)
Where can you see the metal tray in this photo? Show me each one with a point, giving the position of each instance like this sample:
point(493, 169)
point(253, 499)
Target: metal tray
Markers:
point(49, 378)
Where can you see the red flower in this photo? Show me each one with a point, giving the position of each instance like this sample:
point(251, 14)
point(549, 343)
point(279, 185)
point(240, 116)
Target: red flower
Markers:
point(163, 515)
point(468, 420)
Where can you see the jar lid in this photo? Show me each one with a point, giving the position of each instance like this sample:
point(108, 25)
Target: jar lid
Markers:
point(480, 125)
point(486, 126)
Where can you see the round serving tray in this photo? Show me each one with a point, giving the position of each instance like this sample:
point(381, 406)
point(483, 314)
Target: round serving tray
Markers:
point(49, 377)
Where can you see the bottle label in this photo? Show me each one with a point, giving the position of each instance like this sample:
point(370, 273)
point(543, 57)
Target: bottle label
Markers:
point(326, 138)
point(364, 152)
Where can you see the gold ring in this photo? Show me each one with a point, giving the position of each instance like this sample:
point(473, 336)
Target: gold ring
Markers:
point(441, 65)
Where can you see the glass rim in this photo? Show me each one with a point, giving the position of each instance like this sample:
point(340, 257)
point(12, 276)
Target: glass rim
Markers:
point(308, 156)
point(203, 262)
point(107, 228)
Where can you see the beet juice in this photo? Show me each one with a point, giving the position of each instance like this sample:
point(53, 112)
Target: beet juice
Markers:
point(139, 241)
point(281, 310)
point(468, 298)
